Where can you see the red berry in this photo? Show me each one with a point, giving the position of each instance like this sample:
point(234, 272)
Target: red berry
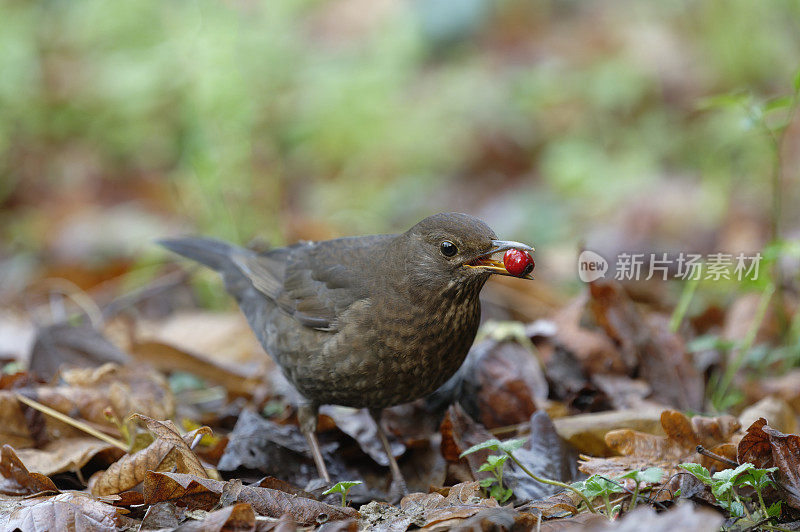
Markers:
point(518, 262)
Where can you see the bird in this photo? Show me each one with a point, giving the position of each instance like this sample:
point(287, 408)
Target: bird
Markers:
point(363, 321)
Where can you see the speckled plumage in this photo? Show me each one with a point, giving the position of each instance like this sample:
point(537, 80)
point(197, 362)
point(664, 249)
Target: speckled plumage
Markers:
point(368, 321)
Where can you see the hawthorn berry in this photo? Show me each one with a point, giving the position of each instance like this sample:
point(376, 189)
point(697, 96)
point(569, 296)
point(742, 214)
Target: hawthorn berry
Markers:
point(518, 262)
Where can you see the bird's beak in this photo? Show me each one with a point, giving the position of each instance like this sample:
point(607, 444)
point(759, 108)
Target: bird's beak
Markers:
point(486, 262)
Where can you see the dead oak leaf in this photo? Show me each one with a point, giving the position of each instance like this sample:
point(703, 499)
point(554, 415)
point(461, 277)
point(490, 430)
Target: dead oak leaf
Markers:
point(639, 450)
point(168, 451)
point(70, 510)
point(85, 394)
point(766, 447)
point(17, 480)
point(69, 454)
point(239, 517)
point(205, 493)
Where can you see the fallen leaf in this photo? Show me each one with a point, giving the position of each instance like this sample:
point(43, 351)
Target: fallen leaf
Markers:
point(586, 432)
point(765, 447)
point(17, 480)
point(68, 455)
point(546, 455)
point(502, 382)
point(685, 517)
point(776, 411)
point(204, 493)
point(167, 452)
point(663, 360)
point(239, 517)
point(459, 433)
point(359, 425)
point(70, 510)
point(162, 515)
point(65, 345)
point(277, 450)
point(640, 450)
point(755, 447)
point(84, 394)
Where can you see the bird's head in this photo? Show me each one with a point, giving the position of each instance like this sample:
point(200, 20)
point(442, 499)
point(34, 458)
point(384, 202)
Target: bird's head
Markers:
point(451, 249)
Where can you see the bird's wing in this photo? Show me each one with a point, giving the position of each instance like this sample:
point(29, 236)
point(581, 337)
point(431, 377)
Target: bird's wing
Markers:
point(314, 282)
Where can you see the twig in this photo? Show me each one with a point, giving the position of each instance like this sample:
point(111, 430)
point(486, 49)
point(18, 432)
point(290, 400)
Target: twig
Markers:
point(553, 482)
point(72, 422)
point(705, 452)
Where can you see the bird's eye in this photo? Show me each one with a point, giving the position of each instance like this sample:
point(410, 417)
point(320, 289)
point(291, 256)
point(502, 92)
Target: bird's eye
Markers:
point(448, 249)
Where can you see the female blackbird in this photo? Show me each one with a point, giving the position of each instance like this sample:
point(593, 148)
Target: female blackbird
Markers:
point(369, 321)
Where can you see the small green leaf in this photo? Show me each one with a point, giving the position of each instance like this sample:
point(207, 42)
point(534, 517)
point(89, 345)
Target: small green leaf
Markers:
point(780, 102)
point(774, 509)
point(492, 444)
point(486, 482)
point(721, 101)
point(486, 467)
point(342, 487)
point(651, 475)
point(677, 493)
point(698, 471)
point(497, 460)
point(729, 475)
point(512, 445)
point(737, 509)
point(596, 485)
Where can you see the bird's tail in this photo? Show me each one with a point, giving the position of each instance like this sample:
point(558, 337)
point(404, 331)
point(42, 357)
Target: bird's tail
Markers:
point(213, 253)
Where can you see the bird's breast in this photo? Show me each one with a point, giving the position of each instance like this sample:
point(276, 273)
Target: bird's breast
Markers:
point(392, 352)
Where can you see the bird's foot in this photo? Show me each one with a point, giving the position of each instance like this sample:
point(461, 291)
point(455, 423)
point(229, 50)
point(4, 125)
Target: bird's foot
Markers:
point(397, 490)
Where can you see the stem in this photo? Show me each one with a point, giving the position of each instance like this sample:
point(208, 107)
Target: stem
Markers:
point(72, 422)
point(761, 502)
point(733, 368)
point(683, 304)
point(553, 482)
point(635, 495)
point(608, 505)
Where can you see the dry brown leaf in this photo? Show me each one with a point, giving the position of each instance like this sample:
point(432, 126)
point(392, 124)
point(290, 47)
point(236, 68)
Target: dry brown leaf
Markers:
point(431, 509)
point(596, 352)
point(65, 345)
point(647, 343)
point(586, 432)
point(69, 454)
point(766, 447)
point(754, 447)
point(239, 517)
point(640, 450)
point(219, 347)
point(685, 517)
point(459, 433)
point(503, 383)
point(169, 451)
point(204, 493)
point(17, 480)
point(786, 387)
point(776, 411)
point(85, 394)
point(70, 510)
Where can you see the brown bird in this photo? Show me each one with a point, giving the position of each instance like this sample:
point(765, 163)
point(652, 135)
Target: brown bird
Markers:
point(367, 321)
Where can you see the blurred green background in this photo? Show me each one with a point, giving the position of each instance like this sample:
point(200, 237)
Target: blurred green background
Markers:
point(561, 123)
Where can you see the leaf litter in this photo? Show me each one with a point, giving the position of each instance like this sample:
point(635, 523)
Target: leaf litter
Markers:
point(600, 390)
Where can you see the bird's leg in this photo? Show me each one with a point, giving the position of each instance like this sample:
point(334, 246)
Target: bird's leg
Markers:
point(307, 416)
point(398, 488)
